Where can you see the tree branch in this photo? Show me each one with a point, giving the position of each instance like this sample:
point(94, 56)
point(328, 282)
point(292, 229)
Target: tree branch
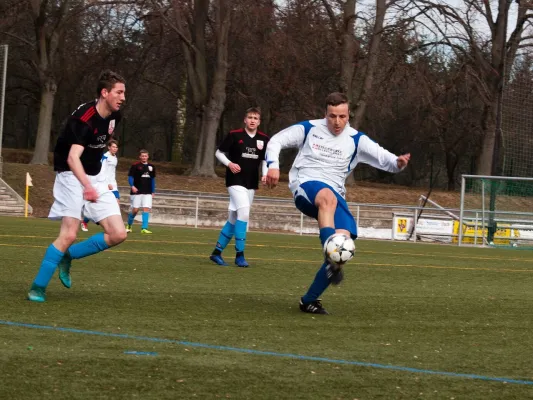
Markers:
point(25, 41)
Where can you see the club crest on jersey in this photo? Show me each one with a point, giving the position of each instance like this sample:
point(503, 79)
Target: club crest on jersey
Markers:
point(150, 168)
point(260, 144)
point(111, 128)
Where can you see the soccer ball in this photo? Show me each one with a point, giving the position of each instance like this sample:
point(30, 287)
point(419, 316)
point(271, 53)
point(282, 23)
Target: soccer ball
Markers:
point(339, 249)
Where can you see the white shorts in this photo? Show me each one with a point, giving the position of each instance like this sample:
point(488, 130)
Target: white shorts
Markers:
point(141, 201)
point(69, 201)
point(240, 197)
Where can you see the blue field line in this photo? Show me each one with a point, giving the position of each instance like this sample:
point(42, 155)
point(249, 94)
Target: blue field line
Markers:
point(140, 353)
point(268, 353)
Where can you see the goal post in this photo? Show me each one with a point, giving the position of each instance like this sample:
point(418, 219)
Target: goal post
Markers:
point(496, 211)
point(3, 75)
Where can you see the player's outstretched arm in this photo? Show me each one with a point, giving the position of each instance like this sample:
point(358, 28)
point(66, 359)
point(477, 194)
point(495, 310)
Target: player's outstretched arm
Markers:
point(403, 160)
point(371, 153)
point(290, 137)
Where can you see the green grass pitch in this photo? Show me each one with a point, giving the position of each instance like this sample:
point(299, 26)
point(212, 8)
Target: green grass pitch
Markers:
point(154, 319)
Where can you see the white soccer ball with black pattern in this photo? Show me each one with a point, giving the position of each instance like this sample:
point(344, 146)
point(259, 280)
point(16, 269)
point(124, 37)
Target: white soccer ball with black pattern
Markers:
point(339, 249)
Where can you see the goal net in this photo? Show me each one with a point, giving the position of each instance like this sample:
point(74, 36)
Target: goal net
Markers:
point(496, 211)
point(517, 119)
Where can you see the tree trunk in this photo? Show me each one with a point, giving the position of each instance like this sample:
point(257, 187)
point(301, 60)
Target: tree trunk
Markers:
point(373, 52)
point(348, 49)
point(205, 162)
point(42, 142)
point(211, 120)
point(199, 130)
point(181, 118)
point(451, 164)
point(484, 161)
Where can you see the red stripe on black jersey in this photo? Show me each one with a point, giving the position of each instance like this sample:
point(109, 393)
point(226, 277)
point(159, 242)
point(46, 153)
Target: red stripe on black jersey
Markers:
point(88, 114)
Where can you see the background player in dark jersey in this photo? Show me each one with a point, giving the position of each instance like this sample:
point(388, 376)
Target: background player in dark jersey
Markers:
point(142, 181)
point(79, 188)
point(245, 149)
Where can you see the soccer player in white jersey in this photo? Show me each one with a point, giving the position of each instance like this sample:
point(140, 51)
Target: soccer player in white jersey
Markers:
point(328, 151)
point(245, 149)
point(109, 171)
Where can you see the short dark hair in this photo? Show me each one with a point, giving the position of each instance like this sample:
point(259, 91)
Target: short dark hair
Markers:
point(143, 151)
point(112, 141)
point(336, 98)
point(255, 110)
point(107, 80)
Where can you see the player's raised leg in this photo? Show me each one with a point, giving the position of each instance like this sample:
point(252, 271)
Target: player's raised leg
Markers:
point(52, 257)
point(107, 213)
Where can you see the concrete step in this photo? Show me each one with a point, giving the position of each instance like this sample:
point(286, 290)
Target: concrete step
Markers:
point(10, 202)
point(11, 209)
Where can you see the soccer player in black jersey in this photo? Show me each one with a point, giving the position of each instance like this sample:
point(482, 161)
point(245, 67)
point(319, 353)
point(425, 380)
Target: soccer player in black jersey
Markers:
point(245, 149)
point(142, 181)
point(78, 187)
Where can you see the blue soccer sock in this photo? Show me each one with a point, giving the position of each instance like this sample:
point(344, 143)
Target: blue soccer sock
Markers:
point(224, 237)
point(319, 285)
point(92, 245)
point(240, 235)
point(85, 220)
point(325, 233)
point(131, 218)
point(146, 218)
point(52, 256)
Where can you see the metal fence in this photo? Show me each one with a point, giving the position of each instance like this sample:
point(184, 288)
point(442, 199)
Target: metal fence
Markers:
point(280, 214)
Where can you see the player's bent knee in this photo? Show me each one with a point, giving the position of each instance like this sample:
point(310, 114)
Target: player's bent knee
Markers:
point(117, 237)
point(121, 236)
point(325, 200)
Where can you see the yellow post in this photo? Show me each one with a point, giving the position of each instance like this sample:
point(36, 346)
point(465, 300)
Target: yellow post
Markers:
point(26, 203)
point(28, 184)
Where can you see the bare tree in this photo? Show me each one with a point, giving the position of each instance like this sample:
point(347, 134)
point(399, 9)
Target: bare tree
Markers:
point(51, 20)
point(455, 27)
point(356, 79)
point(191, 22)
point(357, 82)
